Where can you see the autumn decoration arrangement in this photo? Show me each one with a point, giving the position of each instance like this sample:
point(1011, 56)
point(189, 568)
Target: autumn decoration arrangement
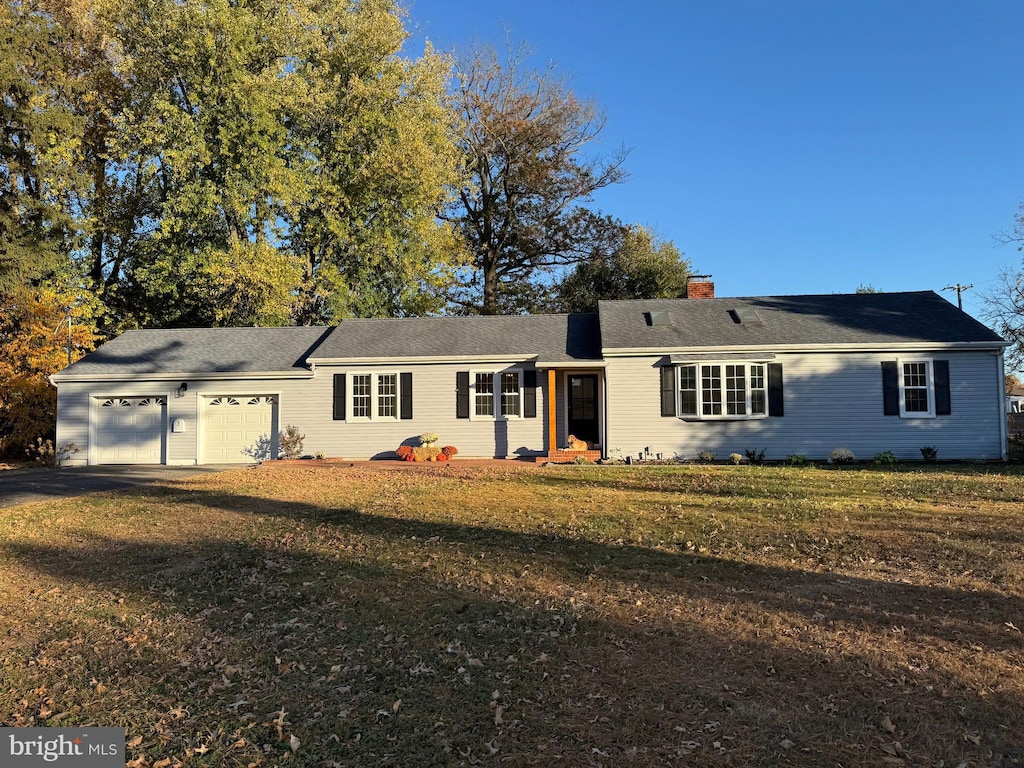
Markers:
point(427, 450)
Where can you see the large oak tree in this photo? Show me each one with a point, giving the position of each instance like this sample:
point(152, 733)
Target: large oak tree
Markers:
point(525, 137)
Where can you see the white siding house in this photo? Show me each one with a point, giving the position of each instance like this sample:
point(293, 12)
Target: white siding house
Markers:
point(786, 375)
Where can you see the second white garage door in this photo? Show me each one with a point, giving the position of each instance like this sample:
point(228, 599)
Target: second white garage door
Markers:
point(239, 429)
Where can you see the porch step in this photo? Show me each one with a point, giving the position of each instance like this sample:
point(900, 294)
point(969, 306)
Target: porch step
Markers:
point(567, 457)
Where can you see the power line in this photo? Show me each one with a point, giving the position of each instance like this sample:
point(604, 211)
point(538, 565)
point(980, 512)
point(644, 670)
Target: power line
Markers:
point(959, 292)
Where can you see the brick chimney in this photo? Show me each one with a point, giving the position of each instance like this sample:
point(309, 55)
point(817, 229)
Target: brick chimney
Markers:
point(700, 287)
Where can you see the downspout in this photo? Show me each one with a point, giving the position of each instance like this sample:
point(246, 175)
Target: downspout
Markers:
point(604, 407)
point(1003, 437)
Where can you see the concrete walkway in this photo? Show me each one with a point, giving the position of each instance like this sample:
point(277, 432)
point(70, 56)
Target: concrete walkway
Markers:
point(21, 486)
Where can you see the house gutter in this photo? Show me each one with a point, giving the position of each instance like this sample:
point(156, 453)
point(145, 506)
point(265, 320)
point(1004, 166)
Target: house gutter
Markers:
point(974, 346)
point(423, 359)
point(61, 378)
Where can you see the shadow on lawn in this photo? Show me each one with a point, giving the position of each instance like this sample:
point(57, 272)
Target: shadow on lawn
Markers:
point(660, 684)
point(944, 613)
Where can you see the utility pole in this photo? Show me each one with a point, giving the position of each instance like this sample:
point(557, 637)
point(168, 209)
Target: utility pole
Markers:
point(959, 292)
point(69, 339)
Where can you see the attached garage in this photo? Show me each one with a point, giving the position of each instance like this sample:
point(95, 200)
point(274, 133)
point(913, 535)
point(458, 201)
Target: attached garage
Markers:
point(130, 430)
point(239, 429)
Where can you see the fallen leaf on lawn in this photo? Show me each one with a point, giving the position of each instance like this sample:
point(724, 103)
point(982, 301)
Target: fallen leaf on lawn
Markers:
point(396, 706)
point(974, 738)
point(162, 763)
point(786, 744)
point(490, 747)
point(294, 743)
point(497, 716)
point(894, 749)
point(888, 725)
point(134, 742)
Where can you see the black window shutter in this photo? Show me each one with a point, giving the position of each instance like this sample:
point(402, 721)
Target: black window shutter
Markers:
point(668, 391)
point(890, 389)
point(405, 386)
point(462, 395)
point(339, 397)
point(776, 401)
point(943, 403)
point(530, 393)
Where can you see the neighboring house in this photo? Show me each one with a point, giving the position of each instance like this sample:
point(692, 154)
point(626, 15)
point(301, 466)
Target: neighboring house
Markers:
point(1015, 411)
point(1015, 401)
point(786, 374)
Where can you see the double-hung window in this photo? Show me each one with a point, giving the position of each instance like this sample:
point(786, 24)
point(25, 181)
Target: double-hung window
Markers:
point(497, 394)
point(483, 397)
point(373, 396)
point(362, 395)
point(916, 388)
point(511, 393)
point(387, 395)
point(722, 391)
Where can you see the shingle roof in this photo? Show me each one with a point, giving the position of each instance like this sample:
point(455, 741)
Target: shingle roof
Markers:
point(201, 350)
point(868, 318)
point(551, 338)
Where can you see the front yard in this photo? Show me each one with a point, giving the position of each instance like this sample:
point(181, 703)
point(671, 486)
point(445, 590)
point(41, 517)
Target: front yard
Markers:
point(579, 616)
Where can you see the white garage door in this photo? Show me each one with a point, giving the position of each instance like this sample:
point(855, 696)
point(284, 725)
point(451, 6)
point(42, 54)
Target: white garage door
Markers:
point(130, 430)
point(239, 428)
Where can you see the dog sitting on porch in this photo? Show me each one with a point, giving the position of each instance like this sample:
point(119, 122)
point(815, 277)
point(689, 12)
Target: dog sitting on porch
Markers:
point(576, 444)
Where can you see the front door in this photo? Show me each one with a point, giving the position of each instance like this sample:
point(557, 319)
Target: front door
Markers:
point(583, 421)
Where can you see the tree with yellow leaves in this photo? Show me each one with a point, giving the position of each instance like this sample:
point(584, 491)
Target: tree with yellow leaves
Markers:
point(37, 340)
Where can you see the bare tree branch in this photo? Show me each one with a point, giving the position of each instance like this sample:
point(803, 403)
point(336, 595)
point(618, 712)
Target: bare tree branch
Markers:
point(523, 137)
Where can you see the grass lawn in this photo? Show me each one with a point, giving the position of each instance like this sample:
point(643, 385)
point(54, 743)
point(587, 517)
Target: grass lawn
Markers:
point(579, 616)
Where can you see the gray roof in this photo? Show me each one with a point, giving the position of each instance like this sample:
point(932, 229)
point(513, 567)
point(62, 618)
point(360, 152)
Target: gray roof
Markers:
point(863, 318)
point(678, 324)
point(201, 350)
point(549, 338)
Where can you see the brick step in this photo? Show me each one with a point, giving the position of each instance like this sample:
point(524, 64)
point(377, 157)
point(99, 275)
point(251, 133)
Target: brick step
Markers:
point(567, 457)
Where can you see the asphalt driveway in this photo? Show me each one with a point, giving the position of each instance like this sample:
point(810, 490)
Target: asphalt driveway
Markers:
point(26, 485)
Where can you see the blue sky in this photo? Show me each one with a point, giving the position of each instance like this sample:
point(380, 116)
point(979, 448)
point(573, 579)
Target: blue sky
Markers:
point(794, 146)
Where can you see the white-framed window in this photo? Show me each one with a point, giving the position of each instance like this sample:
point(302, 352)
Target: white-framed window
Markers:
point(714, 390)
point(917, 388)
point(496, 394)
point(373, 396)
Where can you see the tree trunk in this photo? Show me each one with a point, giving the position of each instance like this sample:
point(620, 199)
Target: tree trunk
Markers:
point(490, 303)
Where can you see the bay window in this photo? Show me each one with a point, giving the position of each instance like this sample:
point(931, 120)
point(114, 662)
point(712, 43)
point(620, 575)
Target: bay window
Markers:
point(722, 391)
